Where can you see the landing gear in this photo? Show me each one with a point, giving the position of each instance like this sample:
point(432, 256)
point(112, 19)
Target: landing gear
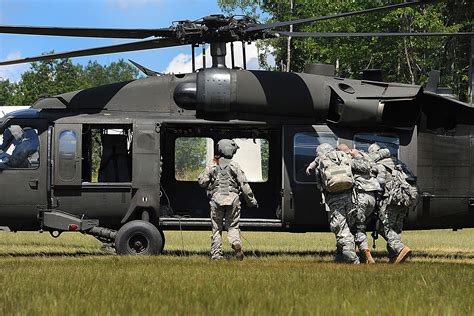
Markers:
point(164, 240)
point(139, 238)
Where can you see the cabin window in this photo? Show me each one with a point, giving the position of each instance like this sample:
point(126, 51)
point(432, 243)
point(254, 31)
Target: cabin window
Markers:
point(362, 141)
point(19, 148)
point(106, 152)
point(67, 155)
point(252, 157)
point(193, 153)
point(304, 150)
point(190, 157)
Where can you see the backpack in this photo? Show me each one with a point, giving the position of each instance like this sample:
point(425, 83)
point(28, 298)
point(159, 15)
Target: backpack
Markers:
point(335, 171)
point(402, 188)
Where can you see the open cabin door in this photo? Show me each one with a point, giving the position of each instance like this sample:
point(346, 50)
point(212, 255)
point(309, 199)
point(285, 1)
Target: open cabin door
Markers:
point(146, 172)
point(187, 149)
point(146, 156)
point(92, 170)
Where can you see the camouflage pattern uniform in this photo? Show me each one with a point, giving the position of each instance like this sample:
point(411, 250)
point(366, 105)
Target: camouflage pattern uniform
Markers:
point(365, 190)
point(224, 191)
point(341, 211)
point(391, 215)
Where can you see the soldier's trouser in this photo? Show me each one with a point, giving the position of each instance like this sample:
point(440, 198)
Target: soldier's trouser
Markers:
point(340, 208)
point(231, 214)
point(391, 228)
point(365, 203)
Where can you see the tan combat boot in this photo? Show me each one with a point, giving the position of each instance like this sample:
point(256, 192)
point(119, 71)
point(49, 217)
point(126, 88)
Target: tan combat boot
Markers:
point(368, 257)
point(238, 252)
point(403, 255)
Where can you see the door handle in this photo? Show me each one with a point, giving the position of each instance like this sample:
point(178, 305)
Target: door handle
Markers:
point(33, 184)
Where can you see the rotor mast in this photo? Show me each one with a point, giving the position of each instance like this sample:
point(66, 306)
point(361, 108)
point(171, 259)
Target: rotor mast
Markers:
point(218, 53)
point(218, 30)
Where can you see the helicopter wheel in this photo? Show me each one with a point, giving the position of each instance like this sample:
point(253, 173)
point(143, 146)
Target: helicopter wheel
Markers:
point(163, 239)
point(139, 238)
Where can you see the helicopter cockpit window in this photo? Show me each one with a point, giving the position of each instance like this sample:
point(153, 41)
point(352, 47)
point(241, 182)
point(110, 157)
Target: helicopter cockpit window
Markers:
point(19, 148)
point(362, 141)
point(304, 149)
point(193, 153)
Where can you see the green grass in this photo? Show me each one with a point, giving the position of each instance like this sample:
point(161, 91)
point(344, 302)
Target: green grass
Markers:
point(282, 274)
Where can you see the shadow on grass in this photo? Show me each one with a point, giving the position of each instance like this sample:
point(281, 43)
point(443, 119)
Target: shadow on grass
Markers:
point(325, 253)
point(53, 254)
point(321, 255)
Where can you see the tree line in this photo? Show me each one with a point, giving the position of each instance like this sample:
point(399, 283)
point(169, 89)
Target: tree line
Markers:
point(59, 76)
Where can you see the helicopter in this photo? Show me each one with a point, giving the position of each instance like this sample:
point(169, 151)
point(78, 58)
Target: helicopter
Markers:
point(137, 193)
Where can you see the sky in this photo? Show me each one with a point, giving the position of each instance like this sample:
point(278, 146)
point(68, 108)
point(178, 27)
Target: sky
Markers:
point(107, 14)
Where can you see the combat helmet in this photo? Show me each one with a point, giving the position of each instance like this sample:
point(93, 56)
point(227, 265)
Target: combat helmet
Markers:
point(323, 148)
point(227, 148)
point(16, 131)
point(373, 148)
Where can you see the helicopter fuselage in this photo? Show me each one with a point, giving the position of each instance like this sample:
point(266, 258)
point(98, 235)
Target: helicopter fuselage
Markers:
point(99, 150)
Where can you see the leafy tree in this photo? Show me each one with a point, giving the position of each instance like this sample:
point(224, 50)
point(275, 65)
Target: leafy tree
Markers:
point(96, 74)
point(190, 157)
point(264, 152)
point(405, 59)
point(59, 76)
point(47, 78)
point(6, 91)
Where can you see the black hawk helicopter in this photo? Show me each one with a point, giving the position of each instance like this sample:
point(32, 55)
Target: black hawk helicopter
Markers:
point(46, 175)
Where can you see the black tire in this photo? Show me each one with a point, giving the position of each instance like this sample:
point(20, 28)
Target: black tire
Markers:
point(162, 233)
point(139, 238)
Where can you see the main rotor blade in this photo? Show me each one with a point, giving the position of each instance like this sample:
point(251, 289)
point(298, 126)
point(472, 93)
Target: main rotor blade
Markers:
point(86, 32)
point(335, 16)
point(356, 34)
point(127, 47)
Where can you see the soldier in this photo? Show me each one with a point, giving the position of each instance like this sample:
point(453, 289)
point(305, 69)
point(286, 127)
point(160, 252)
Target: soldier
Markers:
point(400, 194)
point(225, 181)
point(26, 144)
point(366, 187)
point(334, 179)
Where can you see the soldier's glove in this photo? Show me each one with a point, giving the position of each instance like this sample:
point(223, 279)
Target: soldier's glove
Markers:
point(308, 170)
point(254, 203)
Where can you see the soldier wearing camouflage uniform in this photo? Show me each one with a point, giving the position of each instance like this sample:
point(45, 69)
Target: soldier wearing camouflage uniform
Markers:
point(392, 211)
point(340, 207)
point(225, 181)
point(366, 176)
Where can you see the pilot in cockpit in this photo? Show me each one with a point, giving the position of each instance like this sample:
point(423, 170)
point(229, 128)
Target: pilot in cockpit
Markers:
point(19, 147)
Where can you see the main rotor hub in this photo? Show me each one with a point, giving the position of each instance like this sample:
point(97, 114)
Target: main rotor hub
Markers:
point(218, 28)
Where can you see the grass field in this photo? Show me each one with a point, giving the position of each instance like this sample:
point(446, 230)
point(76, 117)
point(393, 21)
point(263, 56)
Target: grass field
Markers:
point(283, 274)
